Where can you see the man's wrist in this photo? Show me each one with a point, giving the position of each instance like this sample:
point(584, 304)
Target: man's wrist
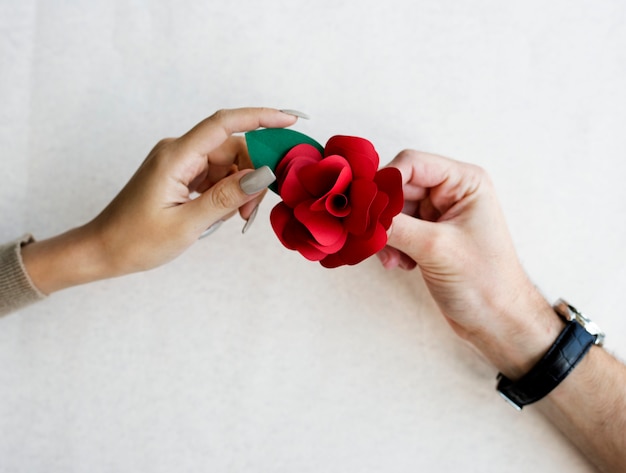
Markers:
point(524, 331)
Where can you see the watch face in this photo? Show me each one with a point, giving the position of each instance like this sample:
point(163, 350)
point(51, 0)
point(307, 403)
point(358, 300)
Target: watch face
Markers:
point(569, 312)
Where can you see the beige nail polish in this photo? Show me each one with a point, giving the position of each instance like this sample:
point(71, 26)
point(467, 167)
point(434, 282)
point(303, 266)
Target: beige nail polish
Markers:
point(256, 181)
point(296, 113)
point(211, 229)
point(250, 220)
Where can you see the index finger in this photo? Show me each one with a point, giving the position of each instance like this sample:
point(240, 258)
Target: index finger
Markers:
point(211, 132)
point(420, 172)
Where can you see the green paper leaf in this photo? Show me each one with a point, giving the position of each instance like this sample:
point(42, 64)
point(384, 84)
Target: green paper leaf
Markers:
point(268, 146)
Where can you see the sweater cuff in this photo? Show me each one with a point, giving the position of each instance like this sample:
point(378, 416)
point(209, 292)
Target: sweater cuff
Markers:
point(16, 288)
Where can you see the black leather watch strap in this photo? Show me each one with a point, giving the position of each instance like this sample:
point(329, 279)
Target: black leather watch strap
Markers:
point(568, 349)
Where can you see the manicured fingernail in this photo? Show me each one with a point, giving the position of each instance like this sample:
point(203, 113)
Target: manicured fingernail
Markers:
point(256, 181)
point(250, 220)
point(211, 229)
point(296, 113)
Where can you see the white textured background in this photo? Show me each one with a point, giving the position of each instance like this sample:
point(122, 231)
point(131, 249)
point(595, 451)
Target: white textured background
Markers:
point(241, 356)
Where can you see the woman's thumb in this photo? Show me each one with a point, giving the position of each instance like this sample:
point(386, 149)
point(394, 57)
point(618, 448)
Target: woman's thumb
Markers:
point(232, 192)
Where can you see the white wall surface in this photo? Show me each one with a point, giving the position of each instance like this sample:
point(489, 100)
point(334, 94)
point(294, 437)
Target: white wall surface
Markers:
point(241, 356)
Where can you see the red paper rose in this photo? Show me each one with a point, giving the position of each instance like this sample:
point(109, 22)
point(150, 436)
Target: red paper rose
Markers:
point(336, 208)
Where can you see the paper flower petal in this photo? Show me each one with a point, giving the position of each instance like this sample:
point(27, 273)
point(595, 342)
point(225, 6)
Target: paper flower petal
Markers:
point(332, 248)
point(324, 228)
point(389, 181)
point(292, 234)
point(359, 152)
point(267, 147)
point(301, 152)
point(376, 209)
point(332, 174)
point(336, 205)
point(362, 194)
point(290, 187)
point(357, 249)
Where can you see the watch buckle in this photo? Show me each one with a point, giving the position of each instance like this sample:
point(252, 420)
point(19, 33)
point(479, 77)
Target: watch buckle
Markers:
point(510, 401)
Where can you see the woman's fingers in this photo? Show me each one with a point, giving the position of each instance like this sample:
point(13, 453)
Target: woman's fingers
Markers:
point(226, 196)
point(209, 134)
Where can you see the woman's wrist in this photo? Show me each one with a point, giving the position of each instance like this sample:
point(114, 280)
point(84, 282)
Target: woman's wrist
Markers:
point(70, 259)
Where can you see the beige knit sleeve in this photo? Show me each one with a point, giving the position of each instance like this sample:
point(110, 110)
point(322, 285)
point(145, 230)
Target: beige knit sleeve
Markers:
point(16, 288)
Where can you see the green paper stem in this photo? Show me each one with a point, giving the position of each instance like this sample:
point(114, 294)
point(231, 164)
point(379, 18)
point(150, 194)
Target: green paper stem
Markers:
point(268, 146)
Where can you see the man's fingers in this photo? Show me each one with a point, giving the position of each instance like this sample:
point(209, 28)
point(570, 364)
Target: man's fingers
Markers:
point(393, 258)
point(210, 133)
point(421, 170)
point(443, 180)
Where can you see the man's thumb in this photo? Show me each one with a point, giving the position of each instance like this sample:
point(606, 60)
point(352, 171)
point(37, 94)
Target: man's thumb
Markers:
point(412, 236)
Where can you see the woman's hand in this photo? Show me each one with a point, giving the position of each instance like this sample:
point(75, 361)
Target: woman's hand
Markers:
point(155, 217)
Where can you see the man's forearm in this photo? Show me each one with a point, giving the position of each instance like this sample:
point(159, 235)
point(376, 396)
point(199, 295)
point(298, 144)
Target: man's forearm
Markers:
point(589, 407)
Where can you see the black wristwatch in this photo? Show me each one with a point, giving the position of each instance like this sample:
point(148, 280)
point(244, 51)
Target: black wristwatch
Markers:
point(579, 334)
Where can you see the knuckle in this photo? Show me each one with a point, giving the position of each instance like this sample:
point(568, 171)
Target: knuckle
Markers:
point(219, 114)
point(164, 143)
point(478, 170)
point(480, 176)
point(406, 155)
point(438, 245)
point(159, 152)
point(223, 196)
